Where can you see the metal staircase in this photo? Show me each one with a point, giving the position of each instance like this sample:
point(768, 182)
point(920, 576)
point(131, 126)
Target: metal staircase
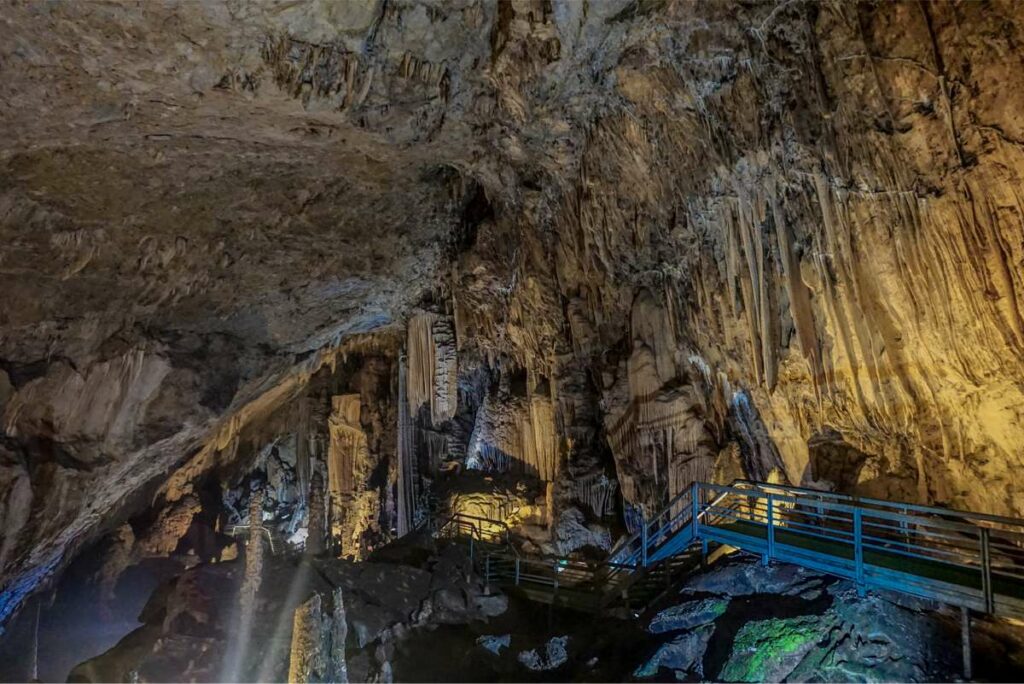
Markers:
point(607, 586)
point(970, 560)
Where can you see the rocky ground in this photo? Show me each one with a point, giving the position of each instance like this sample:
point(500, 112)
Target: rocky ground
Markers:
point(412, 614)
point(737, 622)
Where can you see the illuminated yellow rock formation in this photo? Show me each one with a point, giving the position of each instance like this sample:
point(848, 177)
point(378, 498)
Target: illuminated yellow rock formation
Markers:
point(306, 657)
point(432, 366)
point(347, 454)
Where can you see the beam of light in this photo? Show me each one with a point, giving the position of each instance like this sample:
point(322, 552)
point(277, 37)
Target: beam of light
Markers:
point(236, 652)
point(35, 644)
point(284, 620)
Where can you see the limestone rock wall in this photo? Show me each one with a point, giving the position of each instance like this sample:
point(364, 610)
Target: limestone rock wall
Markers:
point(821, 199)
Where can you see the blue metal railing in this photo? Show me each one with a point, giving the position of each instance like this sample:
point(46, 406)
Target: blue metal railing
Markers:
point(966, 559)
point(958, 557)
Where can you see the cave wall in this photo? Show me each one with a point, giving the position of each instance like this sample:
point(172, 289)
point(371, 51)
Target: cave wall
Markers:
point(811, 205)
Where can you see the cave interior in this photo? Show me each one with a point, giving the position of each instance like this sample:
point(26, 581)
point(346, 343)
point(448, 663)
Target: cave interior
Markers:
point(511, 340)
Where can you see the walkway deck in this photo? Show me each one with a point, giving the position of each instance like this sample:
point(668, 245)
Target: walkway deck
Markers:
point(965, 559)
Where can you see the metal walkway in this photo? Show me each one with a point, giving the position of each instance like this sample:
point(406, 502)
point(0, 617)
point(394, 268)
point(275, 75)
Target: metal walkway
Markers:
point(605, 587)
point(970, 560)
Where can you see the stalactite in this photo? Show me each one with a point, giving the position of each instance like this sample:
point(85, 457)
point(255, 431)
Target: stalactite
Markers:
point(435, 446)
point(514, 433)
point(348, 454)
point(433, 368)
point(597, 492)
point(545, 443)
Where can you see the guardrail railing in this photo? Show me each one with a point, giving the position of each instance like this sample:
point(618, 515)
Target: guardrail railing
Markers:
point(966, 559)
point(963, 558)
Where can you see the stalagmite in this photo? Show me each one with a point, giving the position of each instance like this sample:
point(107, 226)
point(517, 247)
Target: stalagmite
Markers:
point(302, 455)
point(253, 555)
point(317, 530)
point(337, 665)
point(405, 454)
point(319, 633)
point(306, 661)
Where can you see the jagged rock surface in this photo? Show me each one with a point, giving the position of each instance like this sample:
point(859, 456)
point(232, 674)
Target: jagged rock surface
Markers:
point(777, 239)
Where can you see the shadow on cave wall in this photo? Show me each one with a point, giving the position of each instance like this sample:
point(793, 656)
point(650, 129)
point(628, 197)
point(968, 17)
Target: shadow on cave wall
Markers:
point(75, 622)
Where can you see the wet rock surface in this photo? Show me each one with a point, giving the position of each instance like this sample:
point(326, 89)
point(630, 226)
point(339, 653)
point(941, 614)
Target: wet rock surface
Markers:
point(688, 615)
point(782, 623)
point(411, 614)
point(553, 656)
point(190, 625)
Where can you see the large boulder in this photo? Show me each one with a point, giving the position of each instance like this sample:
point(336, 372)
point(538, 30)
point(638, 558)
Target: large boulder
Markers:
point(688, 615)
point(683, 655)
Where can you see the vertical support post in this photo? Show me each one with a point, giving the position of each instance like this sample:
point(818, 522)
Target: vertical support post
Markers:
point(965, 641)
point(986, 571)
point(643, 542)
point(771, 531)
point(487, 575)
point(703, 553)
point(517, 571)
point(695, 509)
point(858, 551)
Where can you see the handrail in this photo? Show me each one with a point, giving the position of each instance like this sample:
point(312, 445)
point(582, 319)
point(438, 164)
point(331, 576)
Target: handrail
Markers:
point(506, 532)
point(232, 531)
point(954, 556)
point(882, 503)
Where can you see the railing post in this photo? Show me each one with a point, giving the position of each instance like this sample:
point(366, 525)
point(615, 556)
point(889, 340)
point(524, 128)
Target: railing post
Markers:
point(643, 542)
point(517, 571)
point(695, 509)
point(771, 532)
point(986, 572)
point(487, 575)
point(858, 551)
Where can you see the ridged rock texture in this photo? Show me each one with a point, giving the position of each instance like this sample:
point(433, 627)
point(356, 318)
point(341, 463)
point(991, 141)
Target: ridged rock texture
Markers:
point(676, 239)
